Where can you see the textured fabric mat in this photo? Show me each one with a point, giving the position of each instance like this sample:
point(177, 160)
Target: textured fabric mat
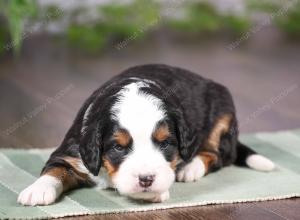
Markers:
point(19, 168)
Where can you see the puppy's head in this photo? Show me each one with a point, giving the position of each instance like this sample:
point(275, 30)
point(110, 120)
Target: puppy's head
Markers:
point(136, 141)
point(138, 163)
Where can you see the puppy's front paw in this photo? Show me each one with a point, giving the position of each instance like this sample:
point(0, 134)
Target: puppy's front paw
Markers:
point(43, 191)
point(192, 171)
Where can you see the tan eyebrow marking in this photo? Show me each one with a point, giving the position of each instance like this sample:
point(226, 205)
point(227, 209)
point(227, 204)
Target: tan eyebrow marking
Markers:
point(161, 133)
point(122, 137)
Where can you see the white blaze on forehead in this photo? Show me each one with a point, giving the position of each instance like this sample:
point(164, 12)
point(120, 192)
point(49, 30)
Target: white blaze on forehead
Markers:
point(138, 112)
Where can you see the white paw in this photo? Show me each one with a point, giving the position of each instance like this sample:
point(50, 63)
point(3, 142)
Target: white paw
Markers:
point(193, 171)
point(161, 197)
point(44, 191)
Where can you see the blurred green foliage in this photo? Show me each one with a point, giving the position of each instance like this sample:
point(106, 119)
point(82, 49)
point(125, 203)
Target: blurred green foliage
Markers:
point(117, 22)
point(89, 38)
point(202, 18)
point(52, 13)
point(290, 22)
point(236, 24)
point(16, 11)
point(124, 19)
point(4, 38)
point(286, 13)
point(268, 6)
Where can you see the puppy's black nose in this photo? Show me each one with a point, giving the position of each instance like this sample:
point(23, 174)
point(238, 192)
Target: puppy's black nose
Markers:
point(146, 180)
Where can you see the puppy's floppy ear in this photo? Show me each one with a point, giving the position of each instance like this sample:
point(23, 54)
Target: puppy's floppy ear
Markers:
point(185, 137)
point(90, 148)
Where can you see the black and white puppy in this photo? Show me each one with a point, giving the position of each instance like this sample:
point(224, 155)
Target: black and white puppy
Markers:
point(140, 131)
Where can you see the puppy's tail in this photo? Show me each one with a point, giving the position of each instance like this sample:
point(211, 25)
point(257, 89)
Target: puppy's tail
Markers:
point(248, 157)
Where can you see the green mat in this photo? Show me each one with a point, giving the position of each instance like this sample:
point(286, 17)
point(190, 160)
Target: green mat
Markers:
point(19, 168)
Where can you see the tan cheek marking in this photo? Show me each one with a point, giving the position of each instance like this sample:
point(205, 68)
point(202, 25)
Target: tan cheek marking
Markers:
point(161, 133)
point(221, 127)
point(111, 170)
point(208, 159)
point(122, 138)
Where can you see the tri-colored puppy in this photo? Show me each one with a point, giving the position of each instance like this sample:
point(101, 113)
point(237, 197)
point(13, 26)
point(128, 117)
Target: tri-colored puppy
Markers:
point(140, 131)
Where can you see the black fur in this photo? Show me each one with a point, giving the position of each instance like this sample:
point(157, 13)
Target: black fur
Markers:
point(192, 103)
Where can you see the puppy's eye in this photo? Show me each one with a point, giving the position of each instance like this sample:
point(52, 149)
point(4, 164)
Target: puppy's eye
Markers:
point(118, 148)
point(164, 144)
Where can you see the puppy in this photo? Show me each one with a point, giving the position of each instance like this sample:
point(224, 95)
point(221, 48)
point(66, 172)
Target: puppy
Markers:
point(140, 131)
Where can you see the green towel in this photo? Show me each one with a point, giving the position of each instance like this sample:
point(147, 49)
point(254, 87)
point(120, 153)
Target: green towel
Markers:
point(19, 168)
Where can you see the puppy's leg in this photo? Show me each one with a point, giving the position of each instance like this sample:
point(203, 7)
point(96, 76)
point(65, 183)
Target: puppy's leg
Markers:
point(202, 164)
point(208, 159)
point(53, 181)
point(192, 171)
